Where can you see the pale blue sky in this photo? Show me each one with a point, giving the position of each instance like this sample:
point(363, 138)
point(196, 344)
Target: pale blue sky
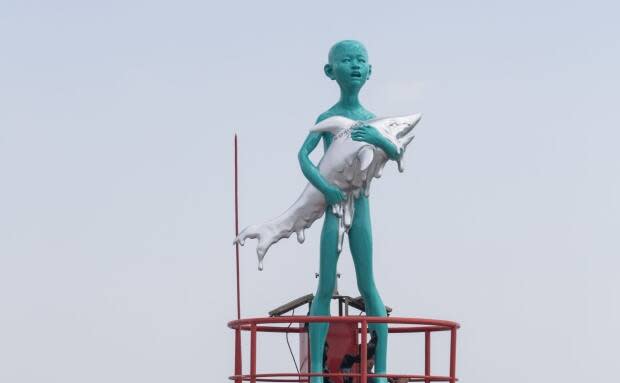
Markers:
point(116, 128)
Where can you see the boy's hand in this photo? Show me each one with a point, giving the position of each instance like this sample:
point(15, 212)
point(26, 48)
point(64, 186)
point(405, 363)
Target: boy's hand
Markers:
point(366, 133)
point(371, 135)
point(333, 194)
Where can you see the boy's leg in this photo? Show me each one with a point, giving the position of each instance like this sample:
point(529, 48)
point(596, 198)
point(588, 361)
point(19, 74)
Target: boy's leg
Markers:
point(360, 242)
point(322, 299)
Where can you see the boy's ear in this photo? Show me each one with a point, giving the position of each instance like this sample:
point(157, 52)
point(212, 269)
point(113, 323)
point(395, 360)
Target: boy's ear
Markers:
point(329, 71)
point(369, 71)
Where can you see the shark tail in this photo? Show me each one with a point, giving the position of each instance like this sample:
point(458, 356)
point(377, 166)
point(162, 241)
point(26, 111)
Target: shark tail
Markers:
point(296, 219)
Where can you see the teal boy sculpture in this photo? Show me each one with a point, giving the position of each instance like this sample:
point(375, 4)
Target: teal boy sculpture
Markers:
point(357, 146)
point(348, 66)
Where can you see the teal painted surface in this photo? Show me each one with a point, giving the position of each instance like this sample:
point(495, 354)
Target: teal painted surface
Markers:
point(348, 66)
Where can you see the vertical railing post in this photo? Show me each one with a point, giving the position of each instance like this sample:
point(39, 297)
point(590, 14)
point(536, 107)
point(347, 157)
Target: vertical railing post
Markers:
point(253, 353)
point(364, 353)
point(453, 355)
point(427, 356)
point(238, 366)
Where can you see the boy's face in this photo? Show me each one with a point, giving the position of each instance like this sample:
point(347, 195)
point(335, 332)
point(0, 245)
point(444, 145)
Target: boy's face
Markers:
point(348, 64)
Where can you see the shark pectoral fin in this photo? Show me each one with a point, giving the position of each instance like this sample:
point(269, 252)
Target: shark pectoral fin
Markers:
point(365, 155)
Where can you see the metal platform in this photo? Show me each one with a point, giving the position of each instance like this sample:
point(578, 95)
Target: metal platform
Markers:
point(396, 325)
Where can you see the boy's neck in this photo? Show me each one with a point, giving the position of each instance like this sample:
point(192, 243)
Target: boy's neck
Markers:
point(349, 100)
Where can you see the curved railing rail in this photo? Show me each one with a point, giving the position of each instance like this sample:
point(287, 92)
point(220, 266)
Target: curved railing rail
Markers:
point(395, 325)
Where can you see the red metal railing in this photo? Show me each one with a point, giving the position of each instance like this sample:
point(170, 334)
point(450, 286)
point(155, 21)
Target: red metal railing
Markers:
point(405, 325)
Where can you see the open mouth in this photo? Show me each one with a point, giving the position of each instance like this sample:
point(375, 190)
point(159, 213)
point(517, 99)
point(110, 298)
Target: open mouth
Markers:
point(356, 74)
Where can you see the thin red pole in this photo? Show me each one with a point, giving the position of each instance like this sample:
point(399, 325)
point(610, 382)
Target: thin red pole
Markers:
point(238, 362)
point(427, 355)
point(453, 355)
point(364, 352)
point(237, 230)
point(253, 353)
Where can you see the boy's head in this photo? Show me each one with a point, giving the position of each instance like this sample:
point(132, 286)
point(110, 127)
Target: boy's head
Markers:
point(348, 64)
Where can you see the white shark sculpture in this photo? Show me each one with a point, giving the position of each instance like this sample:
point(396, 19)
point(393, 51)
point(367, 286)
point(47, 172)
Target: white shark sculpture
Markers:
point(351, 165)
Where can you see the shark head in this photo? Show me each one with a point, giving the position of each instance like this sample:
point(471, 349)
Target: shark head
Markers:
point(399, 130)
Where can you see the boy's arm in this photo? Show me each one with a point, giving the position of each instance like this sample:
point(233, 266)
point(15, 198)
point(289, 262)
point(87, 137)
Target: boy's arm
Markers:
point(369, 134)
point(331, 192)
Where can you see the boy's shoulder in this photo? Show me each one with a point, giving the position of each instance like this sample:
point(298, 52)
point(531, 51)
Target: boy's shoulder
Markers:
point(325, 115)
